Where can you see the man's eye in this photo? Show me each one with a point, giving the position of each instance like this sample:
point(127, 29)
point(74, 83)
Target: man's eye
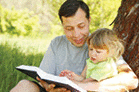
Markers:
point(69, 28)
point(81, 26)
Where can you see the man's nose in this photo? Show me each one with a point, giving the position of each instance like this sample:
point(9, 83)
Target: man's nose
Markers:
point(76, 32)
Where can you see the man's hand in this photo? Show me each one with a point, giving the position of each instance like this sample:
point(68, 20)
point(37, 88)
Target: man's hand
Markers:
point(59, 90)
point(50, 87)
point(45, 85)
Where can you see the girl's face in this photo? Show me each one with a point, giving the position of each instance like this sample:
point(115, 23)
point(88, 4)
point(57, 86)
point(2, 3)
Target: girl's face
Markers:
point(97, 55)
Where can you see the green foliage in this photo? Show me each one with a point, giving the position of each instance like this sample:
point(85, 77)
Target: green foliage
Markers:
point(15, 51)
point(55, 25)
point(23, 22)
point(102, 12)
point(11, 58)
point(56, 29)
point(18, 22)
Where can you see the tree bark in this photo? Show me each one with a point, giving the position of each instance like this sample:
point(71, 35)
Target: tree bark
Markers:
point(126, 24)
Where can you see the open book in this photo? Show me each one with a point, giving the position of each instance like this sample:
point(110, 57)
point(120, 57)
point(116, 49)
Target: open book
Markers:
point(34, 71)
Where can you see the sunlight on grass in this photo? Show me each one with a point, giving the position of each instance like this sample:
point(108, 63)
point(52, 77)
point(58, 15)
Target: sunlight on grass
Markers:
point(25, 44)
point(15, 51)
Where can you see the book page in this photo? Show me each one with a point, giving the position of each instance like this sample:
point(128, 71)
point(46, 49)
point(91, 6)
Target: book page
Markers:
point(44, 75)
point(62, 81)
point(47, 76)
point(30, 68)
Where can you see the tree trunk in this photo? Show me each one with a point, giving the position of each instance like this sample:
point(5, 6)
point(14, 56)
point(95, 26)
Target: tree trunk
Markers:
point(126, 24)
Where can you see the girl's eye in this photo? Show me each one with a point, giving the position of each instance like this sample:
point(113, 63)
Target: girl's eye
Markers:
point(91, 49)
point(98, 51)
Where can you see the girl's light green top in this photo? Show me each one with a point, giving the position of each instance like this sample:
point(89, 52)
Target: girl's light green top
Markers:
point(101, 70)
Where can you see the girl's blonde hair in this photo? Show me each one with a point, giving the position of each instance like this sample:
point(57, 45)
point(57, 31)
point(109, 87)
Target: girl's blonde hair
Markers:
point(106, 39)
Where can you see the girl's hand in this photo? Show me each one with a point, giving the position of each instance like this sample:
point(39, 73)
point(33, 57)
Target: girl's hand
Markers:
point(67, 73)
point(64, 73)
point(71, 75)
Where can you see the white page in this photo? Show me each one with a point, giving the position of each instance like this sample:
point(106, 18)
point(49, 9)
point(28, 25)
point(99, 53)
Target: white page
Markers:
point(30, 68)
point(47, 76)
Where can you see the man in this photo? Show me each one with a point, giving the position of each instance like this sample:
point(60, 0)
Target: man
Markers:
point(70, 51)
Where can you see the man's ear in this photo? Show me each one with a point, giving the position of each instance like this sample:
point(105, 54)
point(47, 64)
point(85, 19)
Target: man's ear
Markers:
point(89, 19)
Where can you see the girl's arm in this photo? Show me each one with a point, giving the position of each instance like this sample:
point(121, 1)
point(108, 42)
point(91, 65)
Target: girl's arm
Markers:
point(84, 72)
point(72, 76)
point(95, 86)
point(84, 75)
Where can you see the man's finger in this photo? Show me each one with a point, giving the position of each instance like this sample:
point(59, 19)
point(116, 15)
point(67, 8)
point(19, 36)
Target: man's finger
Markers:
point(68, 91)
point(58, 90)
point(50, 87)
point(43, 83)
point(38, 78)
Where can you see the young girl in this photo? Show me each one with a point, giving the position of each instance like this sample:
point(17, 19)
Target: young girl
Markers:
point(104, 49)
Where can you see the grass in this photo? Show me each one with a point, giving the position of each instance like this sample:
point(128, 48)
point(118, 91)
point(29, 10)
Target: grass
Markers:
point(15, 51)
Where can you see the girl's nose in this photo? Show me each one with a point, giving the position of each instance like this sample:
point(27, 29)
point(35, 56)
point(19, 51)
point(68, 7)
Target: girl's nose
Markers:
point(93, 53)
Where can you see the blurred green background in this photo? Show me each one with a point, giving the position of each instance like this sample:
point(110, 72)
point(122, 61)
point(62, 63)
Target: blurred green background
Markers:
point(28, 26)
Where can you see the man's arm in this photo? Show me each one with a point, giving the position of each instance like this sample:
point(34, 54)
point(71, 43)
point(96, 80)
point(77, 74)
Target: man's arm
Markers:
point(48, 65)
point(84, 71)
point(48, 62)
point(126, 79)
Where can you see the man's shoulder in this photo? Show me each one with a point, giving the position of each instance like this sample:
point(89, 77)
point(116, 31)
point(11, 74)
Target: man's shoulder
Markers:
point(120, 61)
point(62, 37)
point(59, 39)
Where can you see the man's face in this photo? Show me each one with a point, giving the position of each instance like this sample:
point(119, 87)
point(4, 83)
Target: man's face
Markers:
point(76, 28)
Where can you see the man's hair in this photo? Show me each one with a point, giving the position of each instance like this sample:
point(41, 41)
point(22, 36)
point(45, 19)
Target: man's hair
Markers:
point(70, 7)
point(106, 39)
